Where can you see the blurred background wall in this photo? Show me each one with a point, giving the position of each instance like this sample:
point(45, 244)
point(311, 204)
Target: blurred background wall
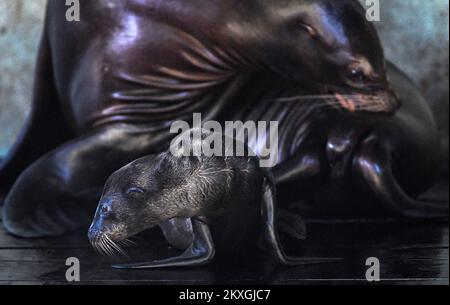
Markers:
point(20, 30)
point(415, 34)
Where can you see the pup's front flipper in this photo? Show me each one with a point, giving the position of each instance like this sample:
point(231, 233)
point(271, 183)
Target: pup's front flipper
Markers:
point(178, 232)
point(271, 232)
point(200, 252)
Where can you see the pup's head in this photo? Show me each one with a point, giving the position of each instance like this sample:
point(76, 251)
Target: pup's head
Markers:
point(144, 194)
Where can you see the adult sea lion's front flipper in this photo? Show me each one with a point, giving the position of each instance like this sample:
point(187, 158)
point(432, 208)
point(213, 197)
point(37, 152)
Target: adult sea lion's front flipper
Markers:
point(271, 232)
point(200, 252)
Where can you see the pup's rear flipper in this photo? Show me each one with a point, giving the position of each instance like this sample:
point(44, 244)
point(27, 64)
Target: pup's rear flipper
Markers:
point(271, 232)
point(291, 224)
point(373, 166)
point(199, 253)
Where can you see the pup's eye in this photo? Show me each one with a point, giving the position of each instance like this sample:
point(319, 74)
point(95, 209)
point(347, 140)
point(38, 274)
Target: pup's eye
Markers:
point(135, 190)
point(104, 209)
point(309, 29)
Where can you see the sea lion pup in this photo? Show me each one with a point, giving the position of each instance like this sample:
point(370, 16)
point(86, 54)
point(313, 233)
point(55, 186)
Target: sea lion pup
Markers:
point(204, 205)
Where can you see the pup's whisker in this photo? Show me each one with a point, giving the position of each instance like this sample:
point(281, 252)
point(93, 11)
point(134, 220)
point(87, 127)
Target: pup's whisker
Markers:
point(107, 248)
point(128, 243)
point(100, 247)
point(116, 247)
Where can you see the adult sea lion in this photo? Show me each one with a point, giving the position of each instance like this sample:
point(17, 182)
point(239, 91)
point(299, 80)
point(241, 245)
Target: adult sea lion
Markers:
point(108, 88)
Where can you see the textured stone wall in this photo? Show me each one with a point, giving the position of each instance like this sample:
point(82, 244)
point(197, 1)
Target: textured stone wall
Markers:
point(415, 34)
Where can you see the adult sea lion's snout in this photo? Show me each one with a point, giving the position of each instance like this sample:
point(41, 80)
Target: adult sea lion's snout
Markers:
point(376, 100)
point(366, 87)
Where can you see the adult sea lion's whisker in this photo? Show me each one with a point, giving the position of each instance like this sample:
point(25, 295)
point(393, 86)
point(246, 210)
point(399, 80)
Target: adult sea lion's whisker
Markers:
point(351, 102)
point(357, 103)
point(313, 97)
point(303, 97)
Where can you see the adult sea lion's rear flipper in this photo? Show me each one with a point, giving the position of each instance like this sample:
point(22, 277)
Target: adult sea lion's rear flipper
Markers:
point(373, 167)
point(199, 253)
point(271, 232)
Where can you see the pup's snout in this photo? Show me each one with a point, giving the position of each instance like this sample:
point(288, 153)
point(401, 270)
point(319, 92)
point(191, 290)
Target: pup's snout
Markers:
point(94, 234)
point(96, 231)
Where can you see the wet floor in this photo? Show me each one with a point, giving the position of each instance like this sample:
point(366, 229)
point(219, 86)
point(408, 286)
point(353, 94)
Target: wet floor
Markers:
point(408, 252)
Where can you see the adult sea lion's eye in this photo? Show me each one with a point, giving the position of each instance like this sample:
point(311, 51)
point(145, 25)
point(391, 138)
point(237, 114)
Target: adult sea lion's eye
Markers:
point(356, 75)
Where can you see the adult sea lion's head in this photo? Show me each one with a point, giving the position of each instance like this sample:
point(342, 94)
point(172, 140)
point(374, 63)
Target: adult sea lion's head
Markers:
point(330, 47)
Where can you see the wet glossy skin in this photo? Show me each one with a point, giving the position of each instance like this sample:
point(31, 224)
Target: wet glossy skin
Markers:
point(108, 87)
point(147, 61)
point(123, 47)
